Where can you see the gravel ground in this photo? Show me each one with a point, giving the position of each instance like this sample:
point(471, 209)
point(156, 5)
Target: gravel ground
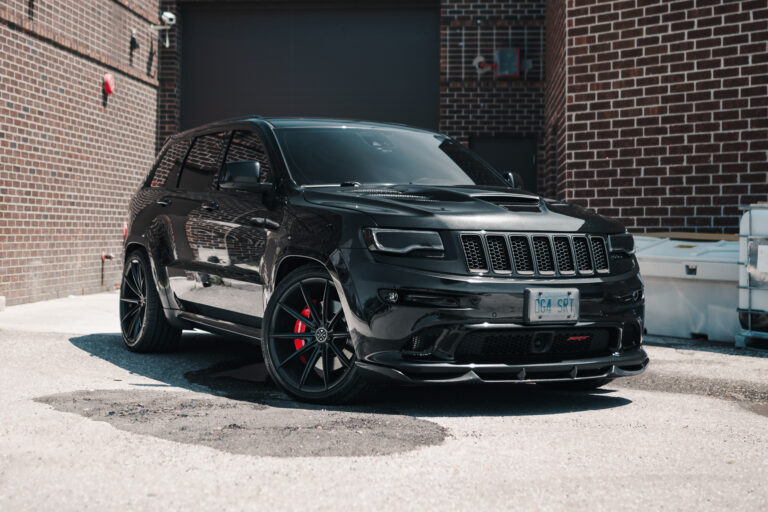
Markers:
point(84, 424)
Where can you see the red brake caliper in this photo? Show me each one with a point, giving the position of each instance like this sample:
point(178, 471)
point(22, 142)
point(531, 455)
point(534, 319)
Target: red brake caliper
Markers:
point(301, 327)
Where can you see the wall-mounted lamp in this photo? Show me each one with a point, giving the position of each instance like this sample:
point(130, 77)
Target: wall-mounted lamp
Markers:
point(134, 42)
point(169, 20)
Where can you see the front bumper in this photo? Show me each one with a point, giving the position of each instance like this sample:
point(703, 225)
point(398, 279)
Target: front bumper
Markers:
point(624, 365)
point(458, 306)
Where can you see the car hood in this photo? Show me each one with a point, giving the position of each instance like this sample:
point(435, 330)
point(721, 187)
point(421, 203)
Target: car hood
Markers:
point(462, 208)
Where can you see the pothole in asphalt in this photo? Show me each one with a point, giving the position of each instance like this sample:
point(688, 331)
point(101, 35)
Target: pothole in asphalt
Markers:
point(250, 428)
point(752, 395)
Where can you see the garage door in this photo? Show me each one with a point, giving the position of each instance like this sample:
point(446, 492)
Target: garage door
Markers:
point(349, 62)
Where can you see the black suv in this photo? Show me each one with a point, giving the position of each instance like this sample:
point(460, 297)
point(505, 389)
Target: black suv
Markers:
point(357, 251)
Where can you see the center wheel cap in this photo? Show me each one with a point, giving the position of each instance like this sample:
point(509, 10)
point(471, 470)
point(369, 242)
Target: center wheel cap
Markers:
point(321, 335)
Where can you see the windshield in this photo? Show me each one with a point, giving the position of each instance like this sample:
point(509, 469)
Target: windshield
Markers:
point(331, 156)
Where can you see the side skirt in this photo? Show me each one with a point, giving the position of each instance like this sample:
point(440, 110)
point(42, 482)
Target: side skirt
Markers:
point(221, 327)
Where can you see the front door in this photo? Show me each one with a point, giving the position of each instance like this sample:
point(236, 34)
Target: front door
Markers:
point(229, 234)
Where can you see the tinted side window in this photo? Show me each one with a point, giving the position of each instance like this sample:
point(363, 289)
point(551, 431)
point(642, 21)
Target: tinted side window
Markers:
point(248, 146)
point(203, 163)
point(170, 164)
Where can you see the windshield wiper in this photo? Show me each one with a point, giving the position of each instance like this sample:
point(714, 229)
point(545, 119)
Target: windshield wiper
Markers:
point(350, 184)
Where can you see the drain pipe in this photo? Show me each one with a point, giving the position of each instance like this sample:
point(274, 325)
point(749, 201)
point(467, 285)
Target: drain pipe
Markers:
point(104, 257)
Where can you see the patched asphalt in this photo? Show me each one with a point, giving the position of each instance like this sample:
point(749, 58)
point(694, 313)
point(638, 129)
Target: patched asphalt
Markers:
point(85, 424)
point(250, 428)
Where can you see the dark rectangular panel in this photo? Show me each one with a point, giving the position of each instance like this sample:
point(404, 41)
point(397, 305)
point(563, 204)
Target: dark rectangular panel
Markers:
point(374, 64)
point(508, 154)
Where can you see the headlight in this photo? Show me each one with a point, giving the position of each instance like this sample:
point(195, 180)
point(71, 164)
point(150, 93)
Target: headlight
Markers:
point(401, 241)
point(622, 243)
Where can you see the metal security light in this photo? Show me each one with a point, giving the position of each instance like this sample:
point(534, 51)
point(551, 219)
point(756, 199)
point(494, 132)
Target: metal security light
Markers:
point(169, 20)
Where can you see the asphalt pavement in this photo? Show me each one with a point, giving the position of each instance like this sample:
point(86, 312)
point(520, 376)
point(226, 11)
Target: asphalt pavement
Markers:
point(87, 425)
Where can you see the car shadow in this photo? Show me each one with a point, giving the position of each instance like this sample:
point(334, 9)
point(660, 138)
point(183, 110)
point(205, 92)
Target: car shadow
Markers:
point(232, 368)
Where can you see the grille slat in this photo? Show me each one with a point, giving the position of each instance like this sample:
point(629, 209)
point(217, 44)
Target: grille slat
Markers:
point(564, 255)
point(474, 252)
point(521, 254)
point(545, 260)
point(583, 257)
point(600, 254)
point(538, 255)
point(497, 250)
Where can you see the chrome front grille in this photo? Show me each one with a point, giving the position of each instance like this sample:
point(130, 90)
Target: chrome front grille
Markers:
point(558, 255)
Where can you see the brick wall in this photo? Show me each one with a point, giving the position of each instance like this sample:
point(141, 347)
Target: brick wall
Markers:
point(169, 79)
point(667, 111)
point(476, 104)
point(554, 131)
point(69, 158)
point(471, 104)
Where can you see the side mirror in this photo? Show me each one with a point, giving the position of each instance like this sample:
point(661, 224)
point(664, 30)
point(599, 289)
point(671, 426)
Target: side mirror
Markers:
point(514, 179)
point(244, 175)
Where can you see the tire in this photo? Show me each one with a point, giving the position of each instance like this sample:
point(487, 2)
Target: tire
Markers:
point(576, 385)
point(142, 320)
point(296, 335)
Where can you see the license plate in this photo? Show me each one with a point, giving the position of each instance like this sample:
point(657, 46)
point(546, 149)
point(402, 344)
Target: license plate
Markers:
point(544, 305)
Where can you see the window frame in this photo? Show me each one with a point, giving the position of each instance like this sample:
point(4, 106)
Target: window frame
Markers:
point(159, 159)
point(226, 135)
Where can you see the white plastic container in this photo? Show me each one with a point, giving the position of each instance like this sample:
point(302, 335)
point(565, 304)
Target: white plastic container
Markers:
point(753, 273)
point(691, 287)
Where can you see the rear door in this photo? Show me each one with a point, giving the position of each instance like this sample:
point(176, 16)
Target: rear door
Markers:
point(188, 205)
point(228, 236)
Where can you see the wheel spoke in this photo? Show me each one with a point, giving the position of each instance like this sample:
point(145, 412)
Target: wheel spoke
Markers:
point(326, 302)
point(308, 368)
point(294, 335)
point(136, 279)
point(340, 355)
point(326, 366)
point(132, 325)
point(140, 274)
point(310, 304)
point(128, 278)
point(340, 336)
point(132, 312)
point(303, 350)
point(130, 301)
point(298, 316)
point(137, 329)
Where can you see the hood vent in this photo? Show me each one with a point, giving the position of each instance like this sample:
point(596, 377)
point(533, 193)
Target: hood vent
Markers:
point(514, 203)
point(393, 194)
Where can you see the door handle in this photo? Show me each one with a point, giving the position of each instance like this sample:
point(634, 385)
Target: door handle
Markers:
point(164, 201)
point(210, 206)
point(261, 222)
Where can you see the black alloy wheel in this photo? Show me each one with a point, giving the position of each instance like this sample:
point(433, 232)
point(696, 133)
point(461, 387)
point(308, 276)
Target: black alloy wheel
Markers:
point(133, 300)
point(307, 345)
point(142, 319)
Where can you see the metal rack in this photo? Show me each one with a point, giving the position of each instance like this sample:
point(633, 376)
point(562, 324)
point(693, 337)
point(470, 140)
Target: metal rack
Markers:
point(745, 334)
